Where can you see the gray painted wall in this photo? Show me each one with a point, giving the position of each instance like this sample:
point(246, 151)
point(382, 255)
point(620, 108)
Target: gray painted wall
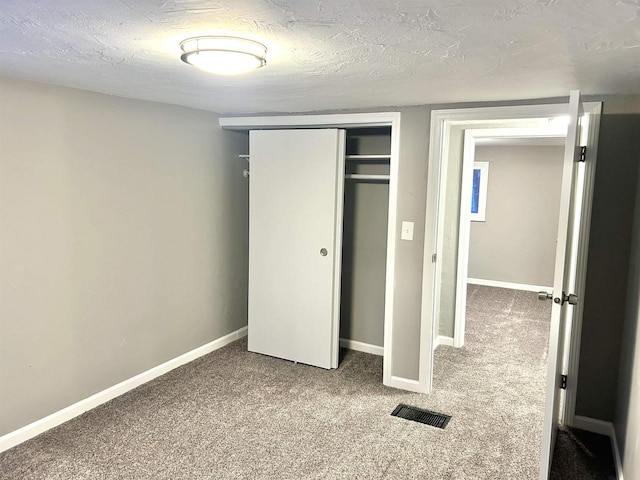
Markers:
point(517, 241)
point(412, 194)
point(627, 414)
point(123, 241)
point(363, 262)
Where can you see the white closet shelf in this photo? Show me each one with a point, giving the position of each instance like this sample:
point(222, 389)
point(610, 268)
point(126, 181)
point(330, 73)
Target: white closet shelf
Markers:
point(362, 176)
point(368, 157)
point(350, 157)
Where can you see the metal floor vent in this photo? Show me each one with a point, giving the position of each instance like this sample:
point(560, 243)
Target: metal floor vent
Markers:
point(423, 416)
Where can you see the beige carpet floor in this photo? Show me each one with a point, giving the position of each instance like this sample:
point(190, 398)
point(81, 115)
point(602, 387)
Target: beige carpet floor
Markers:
point(236, 415)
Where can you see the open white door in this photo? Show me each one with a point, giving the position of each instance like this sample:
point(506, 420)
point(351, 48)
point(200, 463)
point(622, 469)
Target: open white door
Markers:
point(295, 243)
point(564, 280)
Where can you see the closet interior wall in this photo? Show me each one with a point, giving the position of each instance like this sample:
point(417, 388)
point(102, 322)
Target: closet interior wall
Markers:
point(364, 243)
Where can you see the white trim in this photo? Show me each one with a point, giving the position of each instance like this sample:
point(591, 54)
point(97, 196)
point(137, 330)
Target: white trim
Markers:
point(603, 428)
point(478, 115)
point(354, 120)
point(338, 120)
point(362, 347)
point(592, 425)
point(464, 238)
point(390, 278)
point(510, 285)
point(405, 384)
point(443, 340)
point(39, 426)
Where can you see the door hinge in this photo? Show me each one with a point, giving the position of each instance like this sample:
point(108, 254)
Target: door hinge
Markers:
point(583, 154)
point(563, 382)
point(433, 258)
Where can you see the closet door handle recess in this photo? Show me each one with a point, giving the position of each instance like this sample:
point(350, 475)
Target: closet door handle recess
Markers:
point(323, 252)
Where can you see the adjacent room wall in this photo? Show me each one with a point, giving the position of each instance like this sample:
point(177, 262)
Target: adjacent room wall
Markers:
point(123, 241)
point(608, 263)
point(627, 414)
point(517, 241)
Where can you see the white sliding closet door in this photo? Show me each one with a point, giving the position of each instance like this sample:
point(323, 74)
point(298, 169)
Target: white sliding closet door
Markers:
point(295, 243)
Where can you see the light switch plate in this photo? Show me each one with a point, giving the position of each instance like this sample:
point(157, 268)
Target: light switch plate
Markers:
point(407, 231)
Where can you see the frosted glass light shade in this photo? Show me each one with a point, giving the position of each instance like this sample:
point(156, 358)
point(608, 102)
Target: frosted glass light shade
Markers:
point(224, 55)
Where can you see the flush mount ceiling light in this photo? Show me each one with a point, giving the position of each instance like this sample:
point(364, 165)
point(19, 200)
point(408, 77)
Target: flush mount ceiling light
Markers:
point(224, 55)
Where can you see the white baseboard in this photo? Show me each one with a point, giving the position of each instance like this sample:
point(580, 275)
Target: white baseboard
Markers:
point(442, 340)
point(39, 426)
point(405, 384)
point(512, 286)
point(592, 425)
point(616, 454)
point(603, 428)
point(362, 347)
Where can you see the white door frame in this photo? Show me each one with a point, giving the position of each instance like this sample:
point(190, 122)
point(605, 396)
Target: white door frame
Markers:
point(441, 123)
point(468, 158)
point(354, 120)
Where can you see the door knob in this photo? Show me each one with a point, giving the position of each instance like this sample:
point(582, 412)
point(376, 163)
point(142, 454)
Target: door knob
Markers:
point(545, 296)
point(572, 298)
point(323, 252)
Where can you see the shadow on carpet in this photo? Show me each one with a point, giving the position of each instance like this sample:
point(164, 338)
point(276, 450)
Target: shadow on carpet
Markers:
point(582, 455)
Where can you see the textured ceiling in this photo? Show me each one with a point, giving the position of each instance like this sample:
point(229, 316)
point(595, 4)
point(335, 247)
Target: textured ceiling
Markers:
point(329, 54)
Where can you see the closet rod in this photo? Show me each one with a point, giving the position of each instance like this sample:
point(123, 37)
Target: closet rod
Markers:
point(245, 172)
point(348, 157)
point(361, 176)
point(368, 157)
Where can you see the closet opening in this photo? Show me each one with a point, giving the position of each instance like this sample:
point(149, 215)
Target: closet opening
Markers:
point(365, 152)
point(364, 239)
